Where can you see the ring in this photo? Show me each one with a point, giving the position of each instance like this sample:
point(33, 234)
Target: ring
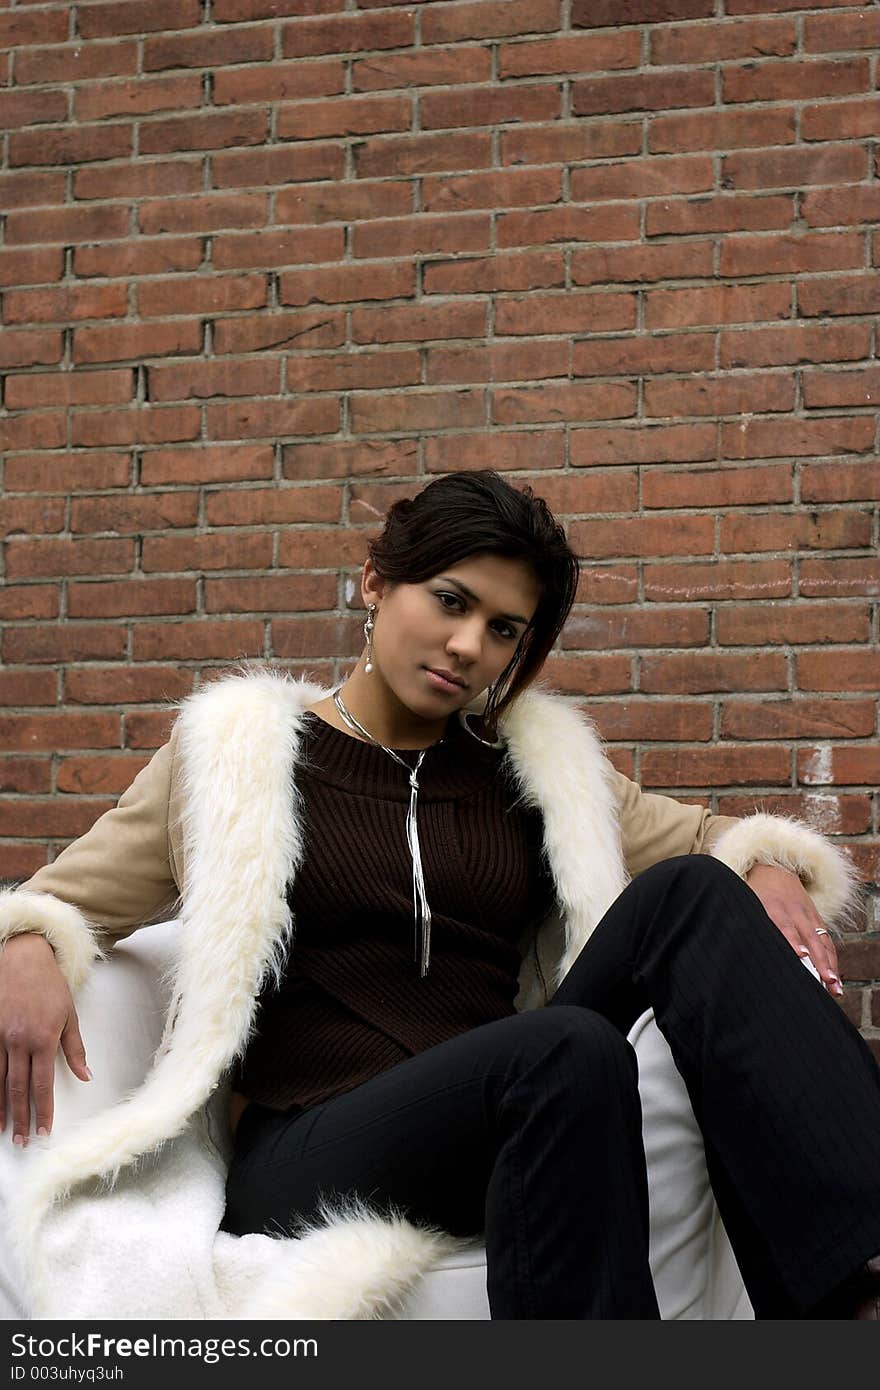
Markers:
point(822, 931)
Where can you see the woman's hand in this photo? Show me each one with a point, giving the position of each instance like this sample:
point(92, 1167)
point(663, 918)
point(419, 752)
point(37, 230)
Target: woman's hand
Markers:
point(789, 905)
point(36, 1014)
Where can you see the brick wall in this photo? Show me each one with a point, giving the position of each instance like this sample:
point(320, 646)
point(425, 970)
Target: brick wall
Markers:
point(265, 264)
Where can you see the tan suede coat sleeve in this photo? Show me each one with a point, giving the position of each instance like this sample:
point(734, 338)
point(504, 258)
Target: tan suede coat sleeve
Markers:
point(654, 827)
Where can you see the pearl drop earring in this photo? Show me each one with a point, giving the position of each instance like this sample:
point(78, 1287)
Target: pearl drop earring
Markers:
point(368, 634)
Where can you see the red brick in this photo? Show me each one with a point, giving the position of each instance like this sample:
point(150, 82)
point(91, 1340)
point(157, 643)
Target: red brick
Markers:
point(642, 537)
point(505, 362)
point(479, 106)
point(68, 388)
point(135, 341)
point(218, 131)
point(840, 207)
point(796, 438)
point(233, 11)
point(563, 143)
point(501, 450)
point(71, 472)
point(27, 189)
point(718, 579)
point(758, 624)
point(417, 410)
point(420, 154)
point(680, 352)
point(697, 672)
point(76, 62)
point(615, 264)
point(824, 766)
point(29, 515)
point(726, 213)
point(215, 48)
point(202, 380)
point(332, 549)
point(797, 718)
point(217, 551)
point(587, 14)
point(92, 776)
point(589, 675)
point(25, 775)
point(653, 177)
point(590, 224)
point(823, 389)
point(57, 818)
point(344, 202)
point(69, 224)
point(840, 120)
point(793, 344)
point(792, 81)
point(827, 530)
point(136, 17)
point(132, 598)
point(608, 584)
point(718, 766)
point(288, 593)
point(312, 329)
point(423, 68)
point(839, 670)
point(407, 236)
point(577, 401)
point(544, 314)
point(272, 82)
point(488, 19)
point(499, 189)
point(27, 28)
point(223, 463)
point(48, 732)
point(201, 640)
point(636, 628)
point(272, 419)
point(860, 960)
point(139, 257)
point(31, 267)
point(782, 168)
point(352, 370)
point(209, 213)
point(418, 323)
point(139, 180)
point(349, 33)
point(795, 254)
point(858, 294)
point(125, 684)
point(841, 33)
point(586, 494)
point(206, 294)
point(274, 165)
point(652, 444)
point(705, 43)
point(644, 91)
point(296, 638)
point(134, 514)
point(142, 426)
point(347, 284)
point(318, 120)
point(35, 430)
point(716, 487)
point(726, 395)
point(840, 482)
point(722, 304)
point(350, 459)
point(25, 601)
point(577, 53)
point(721, 130)
point(65, 304)
point(838, 578)
point(272, 506)
point(31, 108)
point(29, 349)
point(64, 642)
point(70, 145)
point(136, 97)
point(659, 721)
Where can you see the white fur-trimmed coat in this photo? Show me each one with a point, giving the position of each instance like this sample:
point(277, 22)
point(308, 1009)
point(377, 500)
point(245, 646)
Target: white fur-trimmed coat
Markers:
point(209, 832)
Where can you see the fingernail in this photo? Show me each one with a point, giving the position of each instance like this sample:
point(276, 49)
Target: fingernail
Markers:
point(43, 1132)
point(19, 1140)
point(88, 1074)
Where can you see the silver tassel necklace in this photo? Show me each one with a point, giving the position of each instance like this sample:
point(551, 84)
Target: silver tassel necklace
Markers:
point(420, 902)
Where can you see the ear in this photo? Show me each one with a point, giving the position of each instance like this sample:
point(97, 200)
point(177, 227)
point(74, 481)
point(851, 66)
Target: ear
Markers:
point(372, 585)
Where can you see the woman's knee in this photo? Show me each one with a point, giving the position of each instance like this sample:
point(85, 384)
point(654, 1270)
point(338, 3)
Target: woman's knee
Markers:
point(580, 1033)
point(689, 873)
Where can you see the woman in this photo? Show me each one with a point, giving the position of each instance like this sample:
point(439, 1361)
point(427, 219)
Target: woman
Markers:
point(419, 848)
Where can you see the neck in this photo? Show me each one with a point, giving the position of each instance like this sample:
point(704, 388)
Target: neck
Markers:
point(368, 698)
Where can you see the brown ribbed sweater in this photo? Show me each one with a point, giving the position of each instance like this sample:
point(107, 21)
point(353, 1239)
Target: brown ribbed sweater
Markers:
point(351, 1002)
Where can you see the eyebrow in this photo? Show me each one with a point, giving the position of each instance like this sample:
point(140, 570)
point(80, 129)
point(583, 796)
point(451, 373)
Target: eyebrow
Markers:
point(468, 593)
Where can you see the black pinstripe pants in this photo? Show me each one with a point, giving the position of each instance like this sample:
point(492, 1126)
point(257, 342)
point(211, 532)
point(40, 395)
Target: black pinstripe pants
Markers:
point(528, 1129)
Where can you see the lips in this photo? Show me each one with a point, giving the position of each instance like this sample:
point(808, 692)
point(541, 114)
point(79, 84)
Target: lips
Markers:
point(447, 676)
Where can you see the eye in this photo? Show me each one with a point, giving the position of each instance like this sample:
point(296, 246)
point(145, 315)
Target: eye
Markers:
point(452, 601)
point(506, 631)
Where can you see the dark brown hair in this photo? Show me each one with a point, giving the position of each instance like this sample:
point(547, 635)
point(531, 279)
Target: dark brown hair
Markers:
point(478, 513)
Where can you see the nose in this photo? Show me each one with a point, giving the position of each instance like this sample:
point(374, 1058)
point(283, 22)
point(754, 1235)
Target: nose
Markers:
point(466, 639)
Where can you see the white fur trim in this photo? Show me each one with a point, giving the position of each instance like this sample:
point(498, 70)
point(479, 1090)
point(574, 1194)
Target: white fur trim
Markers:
point(67, 931)
point(826, 871)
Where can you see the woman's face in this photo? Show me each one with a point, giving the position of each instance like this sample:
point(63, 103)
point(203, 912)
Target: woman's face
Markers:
point(439, 643)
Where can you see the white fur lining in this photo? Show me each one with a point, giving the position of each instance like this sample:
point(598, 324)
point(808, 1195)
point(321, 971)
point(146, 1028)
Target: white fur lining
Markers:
point(826, 871)
point(67, 931)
